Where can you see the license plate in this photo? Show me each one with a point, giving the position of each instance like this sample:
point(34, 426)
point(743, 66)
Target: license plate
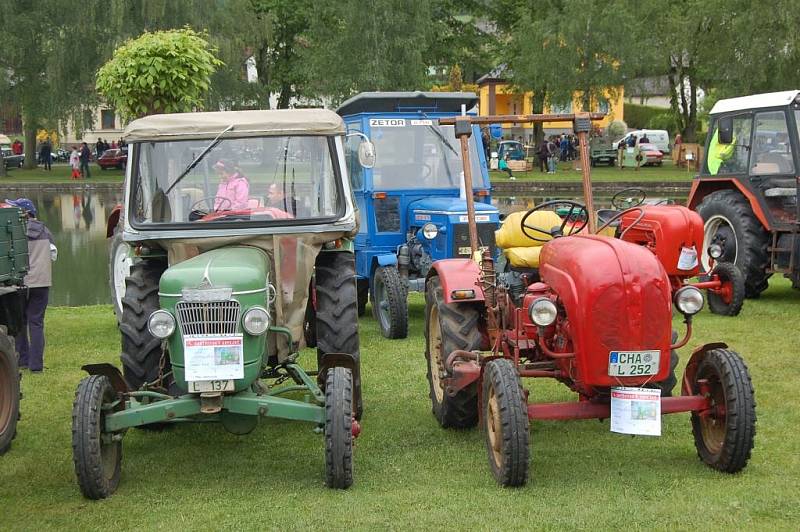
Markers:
point(633, 363)
point(211, 386)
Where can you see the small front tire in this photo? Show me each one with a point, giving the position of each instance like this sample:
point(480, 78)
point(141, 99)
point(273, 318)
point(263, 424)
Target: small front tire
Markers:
point(97, 458)
point(727, 301)
point(339, 428)
point(505, 418)
point(9, 391)
point(389, 302)
point(724, 436)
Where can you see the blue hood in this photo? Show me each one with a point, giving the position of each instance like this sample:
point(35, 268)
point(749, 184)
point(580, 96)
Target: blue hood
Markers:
point(447, 205)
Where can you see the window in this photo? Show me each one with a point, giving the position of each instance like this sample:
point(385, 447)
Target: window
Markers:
point(558, 109)
point(602, 105)
point(730, 158)
point(772, 151)
point(107, 117)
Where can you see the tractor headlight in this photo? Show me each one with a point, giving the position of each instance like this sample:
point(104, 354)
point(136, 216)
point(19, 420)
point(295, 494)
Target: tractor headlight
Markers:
point(256, 320)
point(430, 231)
point(715, 251)
point(161, 324)
point(689, 300)
point(543, 312)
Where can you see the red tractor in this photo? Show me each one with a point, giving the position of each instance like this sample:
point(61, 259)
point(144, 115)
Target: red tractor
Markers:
point(593, 312)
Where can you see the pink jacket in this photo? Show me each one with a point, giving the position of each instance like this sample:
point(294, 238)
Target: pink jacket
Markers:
point(236, 190)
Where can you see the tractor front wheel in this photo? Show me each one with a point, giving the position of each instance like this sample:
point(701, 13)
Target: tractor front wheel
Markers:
point(505, 417)
point(449, 327)
point(728, 300)
point(9, 391)
point(339, 428)
point(390, 303)
point(724, 434)
point(97, 456)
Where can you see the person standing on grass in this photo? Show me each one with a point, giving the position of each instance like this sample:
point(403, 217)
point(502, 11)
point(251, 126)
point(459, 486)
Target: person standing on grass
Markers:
point(75, 163)
point(45, 154)
point(42, 252)
point(544, 154)
point(552, 157)
point(86, 156)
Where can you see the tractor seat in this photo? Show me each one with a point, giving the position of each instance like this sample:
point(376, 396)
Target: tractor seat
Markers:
point(520, 250)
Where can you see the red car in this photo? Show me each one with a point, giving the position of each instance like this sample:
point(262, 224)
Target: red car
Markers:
point(652, 155)
point(113, 159)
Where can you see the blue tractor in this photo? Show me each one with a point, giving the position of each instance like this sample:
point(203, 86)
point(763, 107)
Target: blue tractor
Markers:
point(411, 202)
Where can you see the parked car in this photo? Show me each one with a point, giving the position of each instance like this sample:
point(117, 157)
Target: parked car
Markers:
point(659, 137)
point(12, 161)
point(113, 159)
point(651, 153)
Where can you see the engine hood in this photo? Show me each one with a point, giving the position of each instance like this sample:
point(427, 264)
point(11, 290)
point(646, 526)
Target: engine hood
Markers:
point(237, 267)
point(447, 206)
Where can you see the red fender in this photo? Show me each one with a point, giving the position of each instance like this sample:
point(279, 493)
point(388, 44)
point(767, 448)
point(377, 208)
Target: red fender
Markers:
point(457, 274)
point(694, 361)
point(703, 187)
point(113, 220)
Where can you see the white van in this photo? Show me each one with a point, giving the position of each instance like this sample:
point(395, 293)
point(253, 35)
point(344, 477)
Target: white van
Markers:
point(659, 137)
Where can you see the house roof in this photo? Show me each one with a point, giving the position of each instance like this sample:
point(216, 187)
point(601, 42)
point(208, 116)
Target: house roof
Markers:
point(245, 124)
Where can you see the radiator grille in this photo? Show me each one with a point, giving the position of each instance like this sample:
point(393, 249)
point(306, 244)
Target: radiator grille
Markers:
point(461, 238)
point(217, 317)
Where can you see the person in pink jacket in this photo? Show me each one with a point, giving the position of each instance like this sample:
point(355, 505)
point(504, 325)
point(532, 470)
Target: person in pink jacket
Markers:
point(233, 191)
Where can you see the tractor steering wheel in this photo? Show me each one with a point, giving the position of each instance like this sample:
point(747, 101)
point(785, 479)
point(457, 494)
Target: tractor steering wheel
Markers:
point(628, 198)
point(225, 205)
point(575, 208)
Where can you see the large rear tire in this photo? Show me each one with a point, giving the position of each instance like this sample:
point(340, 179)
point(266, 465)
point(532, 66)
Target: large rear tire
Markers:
point(390, 302)
point(729, 219)
point(729, 300)
point(339, 428)
point(449, 327)
point(141, 351)
point(505, 416)
point(337, 312)
point(9, 391)
point(724, 437)
point(97, 457)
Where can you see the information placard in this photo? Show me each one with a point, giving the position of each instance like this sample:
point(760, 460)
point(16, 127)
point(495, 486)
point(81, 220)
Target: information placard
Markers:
point(636, 411)
point(213, 357)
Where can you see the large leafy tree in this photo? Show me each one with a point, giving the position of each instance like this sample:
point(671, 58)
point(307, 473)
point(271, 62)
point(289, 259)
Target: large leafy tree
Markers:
point(159, 72)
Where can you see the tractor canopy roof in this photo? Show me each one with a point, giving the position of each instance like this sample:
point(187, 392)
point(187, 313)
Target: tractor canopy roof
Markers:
point(755, 101)
point(408, 102)
point(287, 122)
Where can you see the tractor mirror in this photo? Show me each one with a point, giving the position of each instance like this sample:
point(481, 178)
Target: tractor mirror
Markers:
point(725, 130)
point(366, 154)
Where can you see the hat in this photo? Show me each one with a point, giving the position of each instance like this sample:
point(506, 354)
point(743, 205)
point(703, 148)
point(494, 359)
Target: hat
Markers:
point(25, 204)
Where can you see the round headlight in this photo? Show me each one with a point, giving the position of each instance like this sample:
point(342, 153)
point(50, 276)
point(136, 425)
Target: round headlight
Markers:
point(430, 231)
point(256, 320)
point(689, 300)
point(161, 324)
point(543, 312)
point(715, 251)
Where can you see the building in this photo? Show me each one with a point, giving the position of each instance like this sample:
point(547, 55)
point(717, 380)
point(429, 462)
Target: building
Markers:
point(107, 126)
point(498, 98)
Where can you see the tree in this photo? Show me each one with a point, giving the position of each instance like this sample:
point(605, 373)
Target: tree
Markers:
point(160, 72)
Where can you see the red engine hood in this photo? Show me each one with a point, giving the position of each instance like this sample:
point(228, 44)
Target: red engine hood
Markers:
point(617, 297)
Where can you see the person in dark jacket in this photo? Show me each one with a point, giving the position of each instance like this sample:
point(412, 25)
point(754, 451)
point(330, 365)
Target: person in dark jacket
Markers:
point(45, 155)
point(42, 252)
point(86, 156)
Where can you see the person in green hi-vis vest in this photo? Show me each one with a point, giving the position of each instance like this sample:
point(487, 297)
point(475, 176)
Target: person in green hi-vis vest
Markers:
point(719, 153)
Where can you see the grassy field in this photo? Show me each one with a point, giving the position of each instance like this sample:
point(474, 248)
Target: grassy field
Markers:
point(59, 174)
point(565, 172)
point(411, 474)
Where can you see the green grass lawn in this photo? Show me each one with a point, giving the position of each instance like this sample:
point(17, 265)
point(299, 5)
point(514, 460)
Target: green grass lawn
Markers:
point(60, 174)
point(411, 474)
point(565, 172)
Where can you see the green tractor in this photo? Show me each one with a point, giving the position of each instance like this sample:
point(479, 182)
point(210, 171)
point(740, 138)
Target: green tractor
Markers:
point(227, 218)
point(13, 267)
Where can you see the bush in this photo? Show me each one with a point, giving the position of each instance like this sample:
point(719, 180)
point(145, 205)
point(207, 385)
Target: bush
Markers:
point(617, 129)
point(664, 120)
point(639, 116)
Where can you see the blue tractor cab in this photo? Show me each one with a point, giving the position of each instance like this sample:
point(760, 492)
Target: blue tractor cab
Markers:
point(411, 202)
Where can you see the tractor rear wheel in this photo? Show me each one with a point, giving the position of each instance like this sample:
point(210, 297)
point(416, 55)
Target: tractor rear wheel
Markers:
point(97, 456)
point(9, 391)
point(337, 312)
point(339, 428)
point(729, 299)
point(730, 222)
point(141, 351)
point(390, 302)
point(119, 268)
point(449, 327)
point(724, 435)
point(506, 422)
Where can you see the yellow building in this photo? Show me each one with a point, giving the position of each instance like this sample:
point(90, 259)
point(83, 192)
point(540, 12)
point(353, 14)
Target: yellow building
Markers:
point(498, 98)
